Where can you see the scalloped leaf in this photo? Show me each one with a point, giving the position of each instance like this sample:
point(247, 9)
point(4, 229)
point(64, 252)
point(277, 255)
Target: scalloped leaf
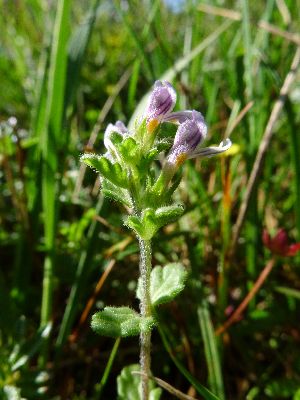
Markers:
point(129, 385)
point(120, 321)
point(111, 171)
point(165, 284)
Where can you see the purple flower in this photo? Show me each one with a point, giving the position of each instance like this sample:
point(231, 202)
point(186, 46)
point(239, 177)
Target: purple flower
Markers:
point(190, 134)
point(161, 103)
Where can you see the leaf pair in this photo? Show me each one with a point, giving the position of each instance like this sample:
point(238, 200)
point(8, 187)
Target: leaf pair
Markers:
point(165, 284)
point(151, 220)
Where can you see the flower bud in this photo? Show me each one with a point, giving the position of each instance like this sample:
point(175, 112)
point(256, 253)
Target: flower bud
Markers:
point(118, 127)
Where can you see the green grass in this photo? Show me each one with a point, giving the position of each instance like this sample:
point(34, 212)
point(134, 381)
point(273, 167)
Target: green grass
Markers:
point(59, 62)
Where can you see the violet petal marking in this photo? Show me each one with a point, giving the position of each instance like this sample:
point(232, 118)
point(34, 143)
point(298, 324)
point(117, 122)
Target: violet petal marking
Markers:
point(178, 117)
point(191, 133)
point(162, 100)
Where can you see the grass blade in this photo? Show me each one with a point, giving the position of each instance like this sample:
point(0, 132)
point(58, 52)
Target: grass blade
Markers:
point(202, 390)
point(211, 352)
point(99, 388)
point(50, 145)
point(78, 285)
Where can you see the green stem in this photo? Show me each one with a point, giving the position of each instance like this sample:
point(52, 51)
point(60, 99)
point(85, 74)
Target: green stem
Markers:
point(47, 293)
point(145, 308)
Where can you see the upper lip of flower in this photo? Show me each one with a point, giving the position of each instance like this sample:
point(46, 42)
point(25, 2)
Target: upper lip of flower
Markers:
point(178, 117)
point(161, 102)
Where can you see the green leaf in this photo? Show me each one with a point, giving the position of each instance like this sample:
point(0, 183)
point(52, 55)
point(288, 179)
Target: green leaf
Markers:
point(144, 226)
point(129, 150)
point(120, 321)
point(129, 387)
point(113, 192)
point(165, 215)
point(166, 283)
point(133, 222)
point(151, 155)
point(111, 171)
point(151, 220)
point(116, 138)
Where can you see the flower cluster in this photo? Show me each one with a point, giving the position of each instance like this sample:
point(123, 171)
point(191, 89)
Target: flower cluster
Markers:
point(126, 169)
point(192, 129)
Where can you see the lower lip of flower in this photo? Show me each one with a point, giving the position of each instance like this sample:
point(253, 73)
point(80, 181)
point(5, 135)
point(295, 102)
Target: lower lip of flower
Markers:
point(152, 125)
point(180, 159)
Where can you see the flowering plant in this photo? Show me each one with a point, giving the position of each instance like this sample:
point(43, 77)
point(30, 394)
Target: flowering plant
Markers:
point(128, 176)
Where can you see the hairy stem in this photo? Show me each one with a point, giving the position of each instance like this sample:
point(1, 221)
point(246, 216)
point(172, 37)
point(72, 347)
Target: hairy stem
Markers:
point(145, 307)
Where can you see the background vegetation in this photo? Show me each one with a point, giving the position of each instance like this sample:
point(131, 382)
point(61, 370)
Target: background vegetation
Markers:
point(68, 68)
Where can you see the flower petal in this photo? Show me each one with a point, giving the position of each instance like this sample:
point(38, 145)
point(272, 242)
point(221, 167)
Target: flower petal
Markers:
point(178, 117)
point(213, 150)
point(162, 101)
point(190, 133)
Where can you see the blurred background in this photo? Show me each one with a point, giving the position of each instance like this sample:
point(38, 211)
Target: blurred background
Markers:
point(68, 68)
